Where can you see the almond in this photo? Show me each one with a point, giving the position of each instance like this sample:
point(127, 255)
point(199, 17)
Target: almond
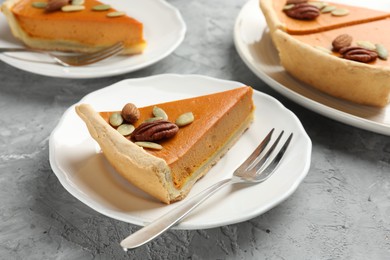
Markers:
point(130, 113)
point(341, 41)
point(54, 5)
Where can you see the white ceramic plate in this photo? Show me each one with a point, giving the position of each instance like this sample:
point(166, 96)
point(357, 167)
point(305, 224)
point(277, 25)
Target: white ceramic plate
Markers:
point(164, 30)
point(254, 45)
point(82, 169)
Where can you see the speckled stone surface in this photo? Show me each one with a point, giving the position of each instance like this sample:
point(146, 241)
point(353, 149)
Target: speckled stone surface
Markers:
point(340, 211)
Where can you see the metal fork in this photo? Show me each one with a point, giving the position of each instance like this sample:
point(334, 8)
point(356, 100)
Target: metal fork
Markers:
point(76, 59)
point(255, 169)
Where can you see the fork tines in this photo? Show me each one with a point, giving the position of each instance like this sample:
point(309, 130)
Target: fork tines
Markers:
point(100, 55)
point(90, 58)
point(258, 164)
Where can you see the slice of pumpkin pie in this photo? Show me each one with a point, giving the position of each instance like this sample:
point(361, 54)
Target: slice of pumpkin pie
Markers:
point(340, 50)
point(165, 157)
point(79, 26)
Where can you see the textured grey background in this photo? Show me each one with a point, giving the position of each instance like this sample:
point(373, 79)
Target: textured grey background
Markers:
point(340, 211)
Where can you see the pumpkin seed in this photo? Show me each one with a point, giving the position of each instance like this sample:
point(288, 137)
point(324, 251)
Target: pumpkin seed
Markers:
point(151, 119)
point(319, 5)
point(149, 145)
point(288, 7)
point(101, 7)
point(125, 129)
point(383, 53)
point(116, 119)
point(72, 8)
point(185, 119)
point(40, 5)
point(340, 12)
point(116, 14)
point(77, 2)
point(328, 9)
point(159, 112)
point(366, 45)
point(323, 49)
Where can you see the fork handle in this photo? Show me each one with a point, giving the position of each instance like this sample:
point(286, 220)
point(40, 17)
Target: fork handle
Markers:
point(163, 223)
point(16, 49)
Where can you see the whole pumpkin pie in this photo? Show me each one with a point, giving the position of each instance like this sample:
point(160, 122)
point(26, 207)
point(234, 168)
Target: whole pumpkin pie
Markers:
point(169, 172)
point(84, 28)
point(309, 50)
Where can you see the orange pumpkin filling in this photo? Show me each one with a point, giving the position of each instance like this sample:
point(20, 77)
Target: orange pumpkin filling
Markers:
point(218, 117)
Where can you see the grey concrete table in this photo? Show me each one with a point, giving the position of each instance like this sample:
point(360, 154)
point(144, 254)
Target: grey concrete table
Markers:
point(340, 211)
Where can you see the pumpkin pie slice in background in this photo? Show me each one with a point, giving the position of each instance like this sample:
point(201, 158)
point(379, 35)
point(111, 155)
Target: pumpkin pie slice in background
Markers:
point(84, 30)
point(306, 51)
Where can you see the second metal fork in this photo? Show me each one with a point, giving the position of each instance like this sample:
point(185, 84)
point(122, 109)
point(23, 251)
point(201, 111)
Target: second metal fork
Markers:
point(255, 169)
point(76, 59)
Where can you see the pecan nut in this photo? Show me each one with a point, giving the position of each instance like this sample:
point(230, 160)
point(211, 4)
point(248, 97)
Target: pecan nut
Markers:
point(359, 54)
point(341, 41)
point(154, 131)
point(54, 5)
point(303, 11)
